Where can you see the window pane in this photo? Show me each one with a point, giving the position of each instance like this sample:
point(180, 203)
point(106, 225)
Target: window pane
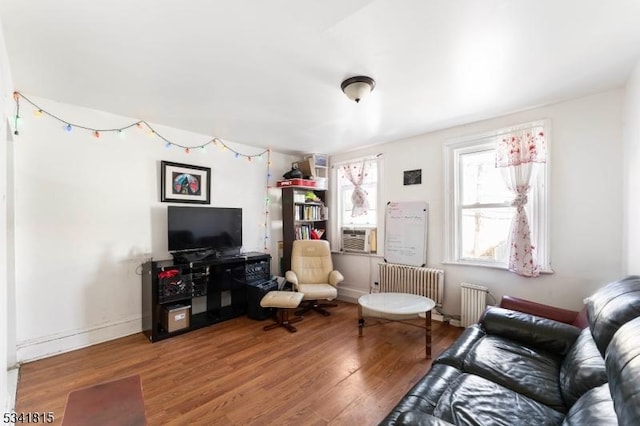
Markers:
point(481, 181)
point(369, 185)
point(484, 233)
point(368, 219)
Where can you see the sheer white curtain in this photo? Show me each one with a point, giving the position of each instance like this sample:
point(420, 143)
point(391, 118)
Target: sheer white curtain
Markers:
point(517, 154)
point(355, 173)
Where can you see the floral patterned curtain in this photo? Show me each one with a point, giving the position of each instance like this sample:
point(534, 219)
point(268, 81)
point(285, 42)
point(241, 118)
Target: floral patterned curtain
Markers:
point(355, 173)
point(516, 154)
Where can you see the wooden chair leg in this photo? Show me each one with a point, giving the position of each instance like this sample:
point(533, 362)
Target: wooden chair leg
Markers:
point(282, 320)
point(316, 306)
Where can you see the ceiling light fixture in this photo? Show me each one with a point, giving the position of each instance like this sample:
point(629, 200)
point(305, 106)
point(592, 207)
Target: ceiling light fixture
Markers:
point(356, 88)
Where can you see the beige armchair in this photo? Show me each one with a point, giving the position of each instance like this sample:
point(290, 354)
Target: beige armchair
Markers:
point(312, 274)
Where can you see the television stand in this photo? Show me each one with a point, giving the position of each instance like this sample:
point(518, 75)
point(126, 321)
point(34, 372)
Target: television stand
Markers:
point(193, 256)
point(220, 285)
point(229, 253)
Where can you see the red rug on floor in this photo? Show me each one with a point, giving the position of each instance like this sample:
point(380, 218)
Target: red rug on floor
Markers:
point(115, 403)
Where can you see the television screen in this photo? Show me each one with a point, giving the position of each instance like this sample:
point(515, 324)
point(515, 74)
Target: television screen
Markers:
point(201, 228)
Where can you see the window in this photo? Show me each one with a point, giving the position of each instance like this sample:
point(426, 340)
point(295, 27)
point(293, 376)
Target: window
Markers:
point(484, 208)
point(354, 210)
point(479, 204)
point(356, 197)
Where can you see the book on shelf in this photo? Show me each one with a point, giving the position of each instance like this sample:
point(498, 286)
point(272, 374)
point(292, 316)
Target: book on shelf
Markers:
point(308, 232)
point(310, 212)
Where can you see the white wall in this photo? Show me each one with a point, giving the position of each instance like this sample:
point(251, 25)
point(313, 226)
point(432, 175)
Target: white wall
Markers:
point(88, 214)
point(632, 173)
point(585, 198)
point(4, 330)
point(7, 325)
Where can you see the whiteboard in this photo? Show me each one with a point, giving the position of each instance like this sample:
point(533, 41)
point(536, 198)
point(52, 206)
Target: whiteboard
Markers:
point(405, 236)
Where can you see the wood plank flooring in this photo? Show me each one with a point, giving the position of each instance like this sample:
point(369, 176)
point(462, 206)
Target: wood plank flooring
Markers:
point(234, 373)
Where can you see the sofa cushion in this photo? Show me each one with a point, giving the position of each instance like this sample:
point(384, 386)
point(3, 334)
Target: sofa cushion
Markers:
point(623, 370)
point(473, 400)
point(529, 371)
point(612, 306)
point(582, 369)
point(552, 336)
point(593, 408)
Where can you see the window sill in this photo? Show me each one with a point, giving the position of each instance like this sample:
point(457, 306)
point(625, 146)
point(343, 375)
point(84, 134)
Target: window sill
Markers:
point(486, 265)
point(355, 253)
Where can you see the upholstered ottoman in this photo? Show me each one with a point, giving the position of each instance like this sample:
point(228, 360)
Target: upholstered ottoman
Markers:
point(283, 301)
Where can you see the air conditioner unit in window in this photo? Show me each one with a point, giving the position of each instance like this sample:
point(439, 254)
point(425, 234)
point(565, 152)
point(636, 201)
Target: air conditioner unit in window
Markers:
point(356, 240)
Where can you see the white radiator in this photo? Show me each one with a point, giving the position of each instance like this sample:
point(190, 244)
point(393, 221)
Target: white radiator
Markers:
point(474, 302)
point(428, 282)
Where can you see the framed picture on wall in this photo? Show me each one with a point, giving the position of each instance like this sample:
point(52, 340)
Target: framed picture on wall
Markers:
point(413, 177)
point(184, 183)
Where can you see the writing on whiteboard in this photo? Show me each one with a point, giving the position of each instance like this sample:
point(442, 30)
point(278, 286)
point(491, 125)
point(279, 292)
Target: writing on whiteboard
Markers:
point(406, 233)
point(401, 216)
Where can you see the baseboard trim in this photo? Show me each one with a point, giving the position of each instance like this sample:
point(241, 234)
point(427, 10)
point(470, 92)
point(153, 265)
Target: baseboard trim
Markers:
point(455, 323)
point(436, 316)
point(44, 347)
point(12, 390)
point(351, 295)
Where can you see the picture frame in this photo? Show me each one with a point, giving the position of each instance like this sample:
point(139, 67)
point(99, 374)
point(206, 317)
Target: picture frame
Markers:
point(184, 183)
point(413, 177)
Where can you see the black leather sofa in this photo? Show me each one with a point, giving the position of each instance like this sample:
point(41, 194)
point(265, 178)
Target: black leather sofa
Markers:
point(516, 369)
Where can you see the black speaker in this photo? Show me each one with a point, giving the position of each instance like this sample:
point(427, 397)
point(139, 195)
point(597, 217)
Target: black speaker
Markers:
point(255, 293)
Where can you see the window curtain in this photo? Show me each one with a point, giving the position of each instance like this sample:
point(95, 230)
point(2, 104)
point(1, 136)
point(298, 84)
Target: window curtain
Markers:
point(516, 155)
point(355, 173)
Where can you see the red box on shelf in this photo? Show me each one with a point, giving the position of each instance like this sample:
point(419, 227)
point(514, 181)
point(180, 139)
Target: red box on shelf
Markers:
point(304, 183)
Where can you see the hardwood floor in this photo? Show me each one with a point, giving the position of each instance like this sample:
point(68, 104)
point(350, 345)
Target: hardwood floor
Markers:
point(234, 373)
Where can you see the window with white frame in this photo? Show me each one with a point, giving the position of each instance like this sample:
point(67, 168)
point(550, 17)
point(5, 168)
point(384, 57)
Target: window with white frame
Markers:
point(356, 196)
point(480, 207)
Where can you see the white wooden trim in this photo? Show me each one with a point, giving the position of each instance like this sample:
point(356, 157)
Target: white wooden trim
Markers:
point(43, 347)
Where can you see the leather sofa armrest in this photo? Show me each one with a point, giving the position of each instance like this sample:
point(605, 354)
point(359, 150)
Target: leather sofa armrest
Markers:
point(546, 311)
point(623, 364)
point(529, 329)
point(423, 397)
point(581, 320)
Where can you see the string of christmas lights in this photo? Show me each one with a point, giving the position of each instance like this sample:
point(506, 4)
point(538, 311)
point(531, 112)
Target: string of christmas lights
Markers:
point(141, 124)
point(69, 126)
point(267, 203)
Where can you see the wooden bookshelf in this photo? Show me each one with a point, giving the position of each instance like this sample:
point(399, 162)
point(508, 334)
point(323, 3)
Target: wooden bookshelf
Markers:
point(301, 218)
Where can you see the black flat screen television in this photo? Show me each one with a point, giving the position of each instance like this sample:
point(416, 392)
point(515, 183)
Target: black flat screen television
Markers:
point(204, 228)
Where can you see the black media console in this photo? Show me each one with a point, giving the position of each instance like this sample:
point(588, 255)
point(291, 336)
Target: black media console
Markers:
point(172, 286)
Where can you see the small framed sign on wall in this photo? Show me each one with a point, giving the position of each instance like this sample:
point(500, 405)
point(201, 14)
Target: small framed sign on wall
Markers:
point(413, 177)
point(184, 183)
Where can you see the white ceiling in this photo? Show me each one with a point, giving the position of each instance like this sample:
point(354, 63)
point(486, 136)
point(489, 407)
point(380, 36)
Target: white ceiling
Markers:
point(268, 73)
